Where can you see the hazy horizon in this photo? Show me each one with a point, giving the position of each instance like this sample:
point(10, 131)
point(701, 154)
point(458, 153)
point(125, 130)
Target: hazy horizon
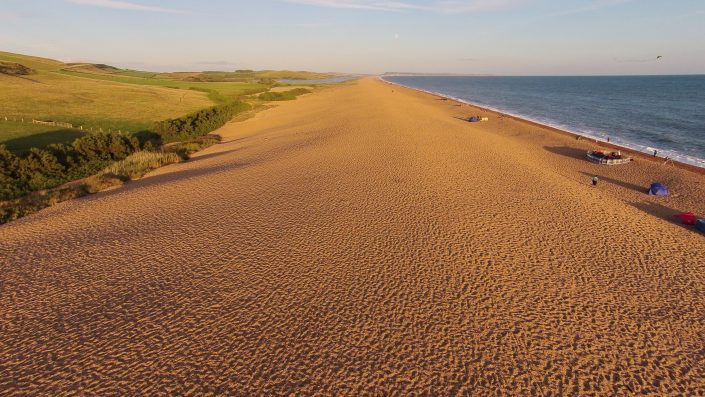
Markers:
point(472, 37)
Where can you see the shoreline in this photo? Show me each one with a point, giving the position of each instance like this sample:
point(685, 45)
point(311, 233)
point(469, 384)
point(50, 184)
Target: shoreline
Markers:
point(634, 153)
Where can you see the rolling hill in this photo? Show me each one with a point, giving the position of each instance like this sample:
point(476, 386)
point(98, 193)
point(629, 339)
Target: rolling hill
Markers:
point(102, 97)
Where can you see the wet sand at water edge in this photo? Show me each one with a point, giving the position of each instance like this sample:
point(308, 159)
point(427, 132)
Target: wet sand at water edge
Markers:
point(363, 240)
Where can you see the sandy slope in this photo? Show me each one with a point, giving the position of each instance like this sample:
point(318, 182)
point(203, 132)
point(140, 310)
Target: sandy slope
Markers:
point(362, 240)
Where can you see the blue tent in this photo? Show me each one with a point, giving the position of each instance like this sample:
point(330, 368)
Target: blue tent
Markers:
point(474, 119)
point(700, 225)
point(658, 189)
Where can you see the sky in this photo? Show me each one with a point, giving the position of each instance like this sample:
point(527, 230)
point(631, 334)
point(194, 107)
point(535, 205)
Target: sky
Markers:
point(498, 37)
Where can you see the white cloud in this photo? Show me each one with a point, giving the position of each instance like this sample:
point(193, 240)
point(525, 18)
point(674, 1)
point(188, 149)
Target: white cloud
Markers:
point(445, 6)
point(593, 6)
point(457, 6)
point(122, 5)
point(452, 6)
point(361, 4)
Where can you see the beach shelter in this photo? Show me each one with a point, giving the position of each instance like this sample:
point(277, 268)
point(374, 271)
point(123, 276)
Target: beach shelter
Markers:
point(686, 218)
point(473, 119)
point(700, 225)
point(658, 189)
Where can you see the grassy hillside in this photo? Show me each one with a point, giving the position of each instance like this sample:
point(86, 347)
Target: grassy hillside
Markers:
point(95, 103)
point(48, 94)
point(35, 63)
point(222, 87)
point(103, 97)
point(220, 92)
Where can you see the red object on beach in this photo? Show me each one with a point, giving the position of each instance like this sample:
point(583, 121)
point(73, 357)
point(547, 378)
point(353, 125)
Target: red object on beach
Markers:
point(687, 218)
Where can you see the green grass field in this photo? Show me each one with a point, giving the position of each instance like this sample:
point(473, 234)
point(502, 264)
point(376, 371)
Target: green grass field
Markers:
point(217, 91)
point(94, 103)
point(49, 95)
point(20, 137)
point(102, 97)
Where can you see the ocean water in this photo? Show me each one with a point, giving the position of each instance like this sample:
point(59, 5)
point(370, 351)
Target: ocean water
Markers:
point(644, 113)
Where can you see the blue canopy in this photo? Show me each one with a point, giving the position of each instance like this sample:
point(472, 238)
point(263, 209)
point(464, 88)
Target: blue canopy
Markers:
point(700, 225)
point(658, 189)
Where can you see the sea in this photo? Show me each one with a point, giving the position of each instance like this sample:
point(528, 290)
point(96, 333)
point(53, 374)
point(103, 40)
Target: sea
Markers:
point(644, 113)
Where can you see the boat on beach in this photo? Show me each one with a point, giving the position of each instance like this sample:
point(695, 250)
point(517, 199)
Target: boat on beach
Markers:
point(607, 158)
point(475, 119)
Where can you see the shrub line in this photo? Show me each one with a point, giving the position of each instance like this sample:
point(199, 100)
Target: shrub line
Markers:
point(101, 160)
point(37, 180)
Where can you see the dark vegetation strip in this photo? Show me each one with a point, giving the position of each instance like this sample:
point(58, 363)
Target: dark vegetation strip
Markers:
point(29, 182)
point(283, 96)
point(198, 123)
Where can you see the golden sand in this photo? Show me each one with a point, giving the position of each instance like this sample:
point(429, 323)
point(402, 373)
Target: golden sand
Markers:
point(363, 240)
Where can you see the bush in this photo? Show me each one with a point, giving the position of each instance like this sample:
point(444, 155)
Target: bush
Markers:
point(108, 146)
point(185, 149)
point(11, 210)
point(198, 123)
point(40, 169)
point(138, 164)
point(283, 96)
point(10, 186)
point(148, 139)
point(97, 183)
point(47, 168)
point(133, 167)
point(15, 69)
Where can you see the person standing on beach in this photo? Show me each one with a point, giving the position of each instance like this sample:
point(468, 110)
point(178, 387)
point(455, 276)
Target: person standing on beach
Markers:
point(595, 179)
